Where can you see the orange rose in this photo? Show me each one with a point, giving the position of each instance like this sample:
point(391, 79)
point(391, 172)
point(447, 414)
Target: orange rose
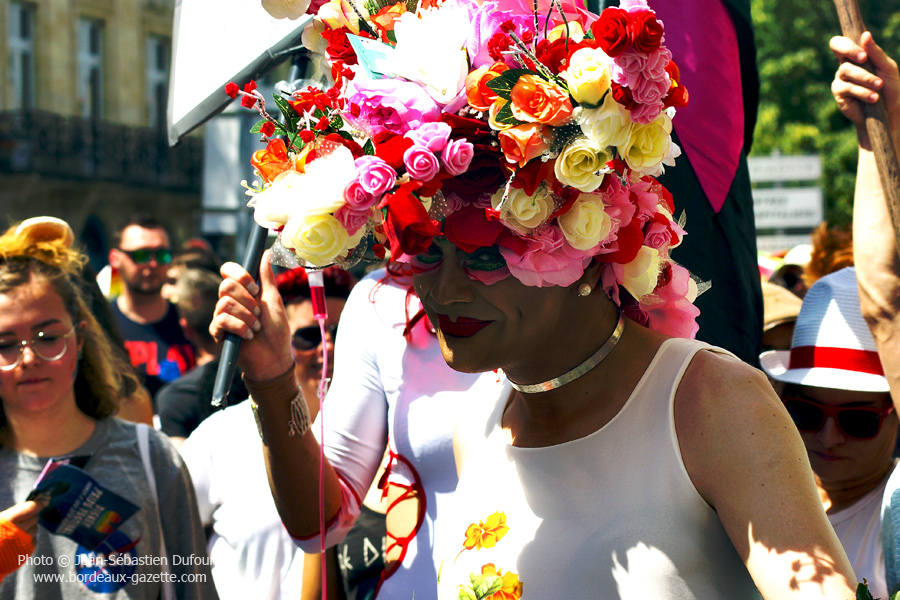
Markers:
point(272, 161)
point(523, 142)
point(535, 100)
point(478, 94)
point(385, 18)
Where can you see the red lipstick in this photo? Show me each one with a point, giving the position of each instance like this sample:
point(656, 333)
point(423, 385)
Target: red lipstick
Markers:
point(463, 327)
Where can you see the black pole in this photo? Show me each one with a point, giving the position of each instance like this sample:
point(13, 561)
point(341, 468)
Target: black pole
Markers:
point(252, 256)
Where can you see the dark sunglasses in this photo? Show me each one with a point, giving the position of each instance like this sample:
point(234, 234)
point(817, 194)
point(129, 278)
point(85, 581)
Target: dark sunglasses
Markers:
point(142, 256)
point(308, 338)
point(855, 422)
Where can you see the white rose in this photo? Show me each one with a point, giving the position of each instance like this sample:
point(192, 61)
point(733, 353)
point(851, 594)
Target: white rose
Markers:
point(586, 223)
point(588, 75)
point(581, 166)
point(523, 211)
point(317, 239)
point(642, 274)
point(609, 125)
point(281, 9)
point(648, 144)
point(431, 51)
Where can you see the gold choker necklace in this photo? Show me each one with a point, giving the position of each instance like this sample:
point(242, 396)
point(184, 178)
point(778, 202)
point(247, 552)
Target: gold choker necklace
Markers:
point(581, 369)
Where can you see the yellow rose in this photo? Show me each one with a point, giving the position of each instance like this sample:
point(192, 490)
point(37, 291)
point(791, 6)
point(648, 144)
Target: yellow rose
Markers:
point(648, 145)
point(573, 29)
point(586, 224)
point(581, 166)
point(523, 211)
point(608, 125)
point(588, 75)
point(337, 14)
point(642, 274)
point(317, 239)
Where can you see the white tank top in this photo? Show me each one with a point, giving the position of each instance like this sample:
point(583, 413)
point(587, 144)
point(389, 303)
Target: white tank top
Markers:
point(610, 515)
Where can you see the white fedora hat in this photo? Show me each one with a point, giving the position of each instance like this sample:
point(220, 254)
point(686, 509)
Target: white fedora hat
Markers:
point(832, 345)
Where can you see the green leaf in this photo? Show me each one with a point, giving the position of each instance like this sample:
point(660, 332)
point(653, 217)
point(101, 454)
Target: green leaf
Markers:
point(485, 585)
point(466, 593)
point(337, 122)
point(369, 148)
point(505, 115)
point(391, 36)
point(896, 596)
point(862, 591)
point(257, 128)
point(503, 84)
point(290, 115)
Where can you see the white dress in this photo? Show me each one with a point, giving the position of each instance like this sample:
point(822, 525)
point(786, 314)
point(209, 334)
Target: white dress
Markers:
point(611, 515)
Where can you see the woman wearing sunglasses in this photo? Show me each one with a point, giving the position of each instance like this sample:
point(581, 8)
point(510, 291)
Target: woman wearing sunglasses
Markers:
point(835, 391)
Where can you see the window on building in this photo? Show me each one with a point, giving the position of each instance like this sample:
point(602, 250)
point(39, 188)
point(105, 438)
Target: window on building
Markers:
point(157, 80)
point(20, 43)
point(90, 68)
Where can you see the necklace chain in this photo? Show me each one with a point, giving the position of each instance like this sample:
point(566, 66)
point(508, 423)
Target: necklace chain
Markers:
point(586, 366)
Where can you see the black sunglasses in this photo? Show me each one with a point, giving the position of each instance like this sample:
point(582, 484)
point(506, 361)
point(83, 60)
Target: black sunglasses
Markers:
point(308, 338)
point(855, 422)
point(142, 256)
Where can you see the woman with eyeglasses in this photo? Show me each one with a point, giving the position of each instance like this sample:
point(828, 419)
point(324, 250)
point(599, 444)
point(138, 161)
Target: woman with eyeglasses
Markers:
point(833, 386)
point(60, 384)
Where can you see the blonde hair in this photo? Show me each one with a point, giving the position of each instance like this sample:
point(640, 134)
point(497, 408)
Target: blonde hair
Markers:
point(102, 377)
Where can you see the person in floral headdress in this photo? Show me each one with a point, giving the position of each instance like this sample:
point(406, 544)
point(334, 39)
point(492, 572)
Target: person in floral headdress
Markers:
point(510, 156)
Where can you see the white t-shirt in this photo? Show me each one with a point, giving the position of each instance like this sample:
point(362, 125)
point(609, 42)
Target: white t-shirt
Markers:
point(858, 527)
point(253, 555)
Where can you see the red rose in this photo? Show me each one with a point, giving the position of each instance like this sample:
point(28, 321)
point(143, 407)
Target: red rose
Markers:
point(484, 175)
point(339, 47)
point(351, 145)
point(390, 147)
point(469, 230)
point(232, 89)
point(646, 32)
point(406, 224)
point(623, 96)
point(535, 172)
point(248, 101)
point(474, 130)
point(267, 129)
point(628, 242)
point(678, 94)
point(249, 87)
point(612, 32)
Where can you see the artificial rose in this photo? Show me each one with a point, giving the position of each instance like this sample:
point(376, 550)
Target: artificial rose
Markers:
point(672, 312)
point(612, 32)
point(421, 163)
point(339, 13)
point(571, 32)
point(484, 22)
point(494, 111)
point(522, 211)
point(339, 47)
point(390, 148)
point(285, 9)
point(317, 239)
point(375, 176)
point(433, 136)
point(521, 143)
point(532, 175)
point(646, 113)
point(588, 75)
point(586, 223)
point(312, 39)
point(483, 176)
point(535, 100)
point(390, 105)
point(478, 94)
point(386, 18)
point(648, 145)
point(663, 233)
point(546, 260)
point(352, 219)
point(457, 156)
point(406, 224)
point(272, 161)
point(650, 91)
point(468, 229)
point(645, 30)
point(642, 274)
point(333, 140)
point(581, 166)
point(431, 52)
point(554, 55)
point(357, 197)
point(677, 95)
point(606, 126)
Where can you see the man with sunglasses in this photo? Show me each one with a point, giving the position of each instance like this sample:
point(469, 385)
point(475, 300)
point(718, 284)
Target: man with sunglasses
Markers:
point(832, 384)
point(156, 344)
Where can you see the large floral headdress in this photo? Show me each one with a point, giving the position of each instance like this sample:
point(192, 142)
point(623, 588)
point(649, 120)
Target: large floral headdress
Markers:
point(527, 135)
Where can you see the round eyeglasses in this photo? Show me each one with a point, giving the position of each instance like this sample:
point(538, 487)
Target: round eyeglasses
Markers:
point(47, 345)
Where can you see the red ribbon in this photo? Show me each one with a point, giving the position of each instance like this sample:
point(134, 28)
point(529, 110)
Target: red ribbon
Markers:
point(845, 359)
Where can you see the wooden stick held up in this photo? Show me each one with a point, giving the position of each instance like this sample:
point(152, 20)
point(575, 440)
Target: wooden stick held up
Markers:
point(853, 27)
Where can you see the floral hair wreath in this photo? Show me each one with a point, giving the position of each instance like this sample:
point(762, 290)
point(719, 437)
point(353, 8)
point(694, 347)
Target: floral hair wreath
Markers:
point(528, 136)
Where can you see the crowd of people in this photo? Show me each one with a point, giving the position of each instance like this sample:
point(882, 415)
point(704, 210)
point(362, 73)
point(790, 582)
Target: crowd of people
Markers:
point(492, 429)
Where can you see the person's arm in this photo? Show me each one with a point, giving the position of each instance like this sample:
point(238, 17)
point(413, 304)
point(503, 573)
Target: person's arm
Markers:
point(256, 314)
point(18, 526)
point(874, 247)
point(745, 457)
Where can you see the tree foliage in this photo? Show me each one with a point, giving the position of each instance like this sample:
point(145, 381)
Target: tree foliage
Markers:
point(797, 114)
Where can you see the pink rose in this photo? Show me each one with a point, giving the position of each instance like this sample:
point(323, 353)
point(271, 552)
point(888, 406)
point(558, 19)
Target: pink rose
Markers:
point(645, 199)
point(375, 175)
point(358, 197)
point(646, 113)
point(352, 219)
point(672, 311)
point(390, 105)
point(620, 210)
point(650, 91)
point(433, 136)
point(421, 163)
point(457, 156)
point(547, 259)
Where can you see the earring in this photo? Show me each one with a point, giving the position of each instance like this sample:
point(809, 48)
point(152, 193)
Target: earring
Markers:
point(584, 290)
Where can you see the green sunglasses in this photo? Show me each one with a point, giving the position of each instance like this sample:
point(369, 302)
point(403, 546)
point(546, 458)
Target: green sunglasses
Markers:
point(142, 256)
